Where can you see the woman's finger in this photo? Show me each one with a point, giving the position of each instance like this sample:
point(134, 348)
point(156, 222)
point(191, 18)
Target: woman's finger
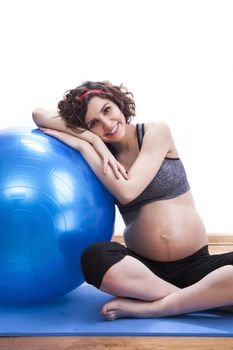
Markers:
point(123, 171)
point(114, 167)
point(105, 165)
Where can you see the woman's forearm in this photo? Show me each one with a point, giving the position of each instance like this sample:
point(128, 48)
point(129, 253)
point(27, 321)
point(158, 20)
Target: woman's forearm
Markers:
point(45, 118)
point(110, 179)
point(52, 120)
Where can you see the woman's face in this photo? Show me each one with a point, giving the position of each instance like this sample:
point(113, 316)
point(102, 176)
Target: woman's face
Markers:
point(105, 119)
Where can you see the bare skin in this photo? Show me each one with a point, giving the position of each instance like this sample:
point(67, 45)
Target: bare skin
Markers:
point(166, 230)
point(212, 291)
point(159, 231)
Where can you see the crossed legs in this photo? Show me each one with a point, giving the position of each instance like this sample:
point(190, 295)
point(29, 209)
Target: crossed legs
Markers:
point(113, 268)
point(140, 293)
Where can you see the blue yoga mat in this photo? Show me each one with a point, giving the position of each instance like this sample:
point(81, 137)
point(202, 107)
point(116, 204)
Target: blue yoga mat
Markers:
point(77, 313)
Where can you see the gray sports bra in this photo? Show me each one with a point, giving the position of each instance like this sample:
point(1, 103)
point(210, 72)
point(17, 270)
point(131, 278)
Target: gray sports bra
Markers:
point(169, 182)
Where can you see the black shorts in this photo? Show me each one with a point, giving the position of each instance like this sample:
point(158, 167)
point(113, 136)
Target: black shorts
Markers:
point(99, 257)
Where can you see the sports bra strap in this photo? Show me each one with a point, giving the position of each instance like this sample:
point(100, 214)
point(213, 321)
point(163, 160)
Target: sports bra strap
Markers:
point(140, 133)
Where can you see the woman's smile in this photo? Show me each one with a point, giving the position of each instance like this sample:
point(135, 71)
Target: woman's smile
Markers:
point(114, 130)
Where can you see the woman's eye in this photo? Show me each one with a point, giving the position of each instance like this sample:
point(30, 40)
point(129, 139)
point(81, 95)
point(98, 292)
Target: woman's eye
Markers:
point(107, 109)
point(93, 124)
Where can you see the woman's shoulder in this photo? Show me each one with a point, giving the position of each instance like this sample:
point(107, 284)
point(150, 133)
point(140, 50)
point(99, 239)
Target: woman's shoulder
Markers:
point(157, 129)
point(158, 135)
point(156, 124)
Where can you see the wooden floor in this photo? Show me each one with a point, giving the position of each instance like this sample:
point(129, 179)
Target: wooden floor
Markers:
point(218, 244)
point(116, 343)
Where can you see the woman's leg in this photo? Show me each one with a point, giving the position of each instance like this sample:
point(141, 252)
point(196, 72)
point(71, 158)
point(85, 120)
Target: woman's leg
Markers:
point(130, 278)
point(214, 290)
point(109, 267)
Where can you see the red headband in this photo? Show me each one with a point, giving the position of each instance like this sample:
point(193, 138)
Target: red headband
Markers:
point(86, 93)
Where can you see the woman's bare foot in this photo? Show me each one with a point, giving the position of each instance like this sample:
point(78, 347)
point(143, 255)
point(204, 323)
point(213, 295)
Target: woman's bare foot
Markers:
point(124, 307)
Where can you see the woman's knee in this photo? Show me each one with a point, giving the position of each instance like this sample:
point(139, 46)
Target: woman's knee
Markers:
point(223, 276)
point(98, 258)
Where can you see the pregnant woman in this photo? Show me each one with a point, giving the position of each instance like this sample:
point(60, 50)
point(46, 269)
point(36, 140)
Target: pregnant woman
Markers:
point(164, 268)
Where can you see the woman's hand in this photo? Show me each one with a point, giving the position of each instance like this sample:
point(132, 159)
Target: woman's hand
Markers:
point(103, 151)
point(109, 159)
point(99, 146)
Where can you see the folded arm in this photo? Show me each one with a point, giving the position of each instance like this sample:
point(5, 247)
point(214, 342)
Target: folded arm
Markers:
point(156, 144)
point(44, 118)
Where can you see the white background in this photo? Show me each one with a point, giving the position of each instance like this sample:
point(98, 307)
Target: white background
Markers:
point(176, 56)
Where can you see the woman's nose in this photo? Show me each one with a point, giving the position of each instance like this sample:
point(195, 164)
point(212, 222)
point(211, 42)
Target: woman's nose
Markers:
point(107, 123)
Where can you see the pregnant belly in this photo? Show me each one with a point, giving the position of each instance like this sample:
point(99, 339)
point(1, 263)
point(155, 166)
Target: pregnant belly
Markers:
point(165, 232)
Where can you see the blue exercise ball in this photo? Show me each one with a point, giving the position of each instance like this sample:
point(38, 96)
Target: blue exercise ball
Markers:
point(52, 206)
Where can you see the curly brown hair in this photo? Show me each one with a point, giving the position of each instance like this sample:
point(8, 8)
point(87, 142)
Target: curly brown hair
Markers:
point(73, 109)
